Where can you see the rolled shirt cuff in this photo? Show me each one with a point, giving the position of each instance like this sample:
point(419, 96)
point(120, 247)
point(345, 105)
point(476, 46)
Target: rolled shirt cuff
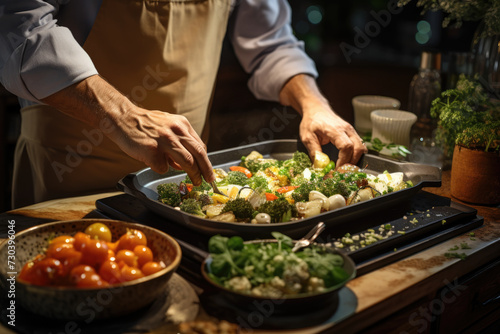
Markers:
point(45, 63)
point(277, 68)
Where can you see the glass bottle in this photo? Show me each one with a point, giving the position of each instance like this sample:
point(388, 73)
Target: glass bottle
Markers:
point(424, 88)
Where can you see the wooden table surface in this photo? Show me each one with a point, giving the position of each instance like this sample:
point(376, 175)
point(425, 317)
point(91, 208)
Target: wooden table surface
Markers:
point(379, 293)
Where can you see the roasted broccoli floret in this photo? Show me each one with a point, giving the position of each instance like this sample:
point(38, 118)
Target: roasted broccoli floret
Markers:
point(333, 186)
point(204, 186)
point(240, 207)
point(301, 194)
point(297, 164)
point(279, 210)
point(169, 194)
point(192, 206)
point(258, 182)
point(205, 199)
point(234, 177)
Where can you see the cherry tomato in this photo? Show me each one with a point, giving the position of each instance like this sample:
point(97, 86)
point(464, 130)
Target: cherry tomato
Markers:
point(76, 273)
point(152, 267)
point(129, 273)
point(46, 271)
point(81, 239)
point(94, 252)
point(131, 239)
point(144, 254)
point(91, 280)
point(66, 253)
point(111, 255)
point(99, 231)
point(128, 257)
point(110, 272)
point(62, 239)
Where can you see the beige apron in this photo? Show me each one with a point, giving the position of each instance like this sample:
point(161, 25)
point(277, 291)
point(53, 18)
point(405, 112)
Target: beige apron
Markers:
point(161, 54)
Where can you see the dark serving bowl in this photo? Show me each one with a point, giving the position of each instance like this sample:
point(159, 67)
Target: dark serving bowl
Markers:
point(291, 304)
point(68, 303)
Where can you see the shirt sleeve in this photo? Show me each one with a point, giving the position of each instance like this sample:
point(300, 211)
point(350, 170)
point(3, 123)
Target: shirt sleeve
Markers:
point(263, 41)
point(38, 57)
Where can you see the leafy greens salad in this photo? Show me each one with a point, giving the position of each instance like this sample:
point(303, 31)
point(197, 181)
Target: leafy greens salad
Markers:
point(271, 269)
point(262, 191)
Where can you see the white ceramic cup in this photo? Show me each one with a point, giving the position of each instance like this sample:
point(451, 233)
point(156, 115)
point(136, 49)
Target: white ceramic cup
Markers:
point(363, 105)
point(392, 126)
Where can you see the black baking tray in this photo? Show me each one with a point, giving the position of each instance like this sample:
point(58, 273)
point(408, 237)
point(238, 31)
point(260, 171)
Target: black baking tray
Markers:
point(142, 185)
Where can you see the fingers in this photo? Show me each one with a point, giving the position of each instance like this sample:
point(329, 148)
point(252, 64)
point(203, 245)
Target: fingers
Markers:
point(311, 143)
point(186, 151)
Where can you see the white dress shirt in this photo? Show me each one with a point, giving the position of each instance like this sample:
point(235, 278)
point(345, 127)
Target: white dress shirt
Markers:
point(41, 45)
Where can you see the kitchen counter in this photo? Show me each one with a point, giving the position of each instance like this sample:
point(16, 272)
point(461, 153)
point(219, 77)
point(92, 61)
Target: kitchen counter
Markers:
point(426, 292)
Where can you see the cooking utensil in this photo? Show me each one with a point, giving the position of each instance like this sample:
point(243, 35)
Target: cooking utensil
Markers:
point(216, 190)
point(309, 237)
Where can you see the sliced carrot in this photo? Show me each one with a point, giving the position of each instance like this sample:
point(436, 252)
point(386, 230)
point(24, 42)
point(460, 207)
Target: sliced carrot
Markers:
point(241, 169)
point(271, 197)
point(286, 189)
point(189, 186)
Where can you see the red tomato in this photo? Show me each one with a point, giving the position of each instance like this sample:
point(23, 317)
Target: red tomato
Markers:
point(241, 169)
point(46, 271)
point(152, 267)
point(128, 257)
point(91, 280)
point(129, 273)
point(110, 272)
point(62, 239)
point(65, 253)
point(144, 254)
point(131, 239)
point(94, 252)
point(81, 239)
point(80, 270)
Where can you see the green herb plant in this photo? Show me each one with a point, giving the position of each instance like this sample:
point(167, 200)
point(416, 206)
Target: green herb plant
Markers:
point(467, 117)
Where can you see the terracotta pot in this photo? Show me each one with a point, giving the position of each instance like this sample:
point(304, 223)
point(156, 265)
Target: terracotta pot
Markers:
point(475, 176)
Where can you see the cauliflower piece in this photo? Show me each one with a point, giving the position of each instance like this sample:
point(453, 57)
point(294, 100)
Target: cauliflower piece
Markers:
point(239, 284)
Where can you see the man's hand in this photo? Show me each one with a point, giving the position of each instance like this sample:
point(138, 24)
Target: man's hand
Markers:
point(320, 125)
point(157, 138)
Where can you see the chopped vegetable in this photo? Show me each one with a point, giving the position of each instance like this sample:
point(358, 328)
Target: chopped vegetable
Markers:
point(193, 207)
point(241, 169)
point(169, 194)
point(240, 207)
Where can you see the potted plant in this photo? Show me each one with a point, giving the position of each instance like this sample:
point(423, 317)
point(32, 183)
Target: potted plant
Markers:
point(469, 130)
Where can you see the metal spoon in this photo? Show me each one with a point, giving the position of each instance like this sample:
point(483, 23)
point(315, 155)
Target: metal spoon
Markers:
point(309, 237)
point(216, 190)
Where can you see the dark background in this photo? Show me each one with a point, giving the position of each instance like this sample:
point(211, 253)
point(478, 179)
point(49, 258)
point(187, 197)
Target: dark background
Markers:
point(384, 65)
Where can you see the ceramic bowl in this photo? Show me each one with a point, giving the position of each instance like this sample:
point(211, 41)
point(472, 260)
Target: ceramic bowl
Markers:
point(363, 105)
point(393, 126)
point(68, 303)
